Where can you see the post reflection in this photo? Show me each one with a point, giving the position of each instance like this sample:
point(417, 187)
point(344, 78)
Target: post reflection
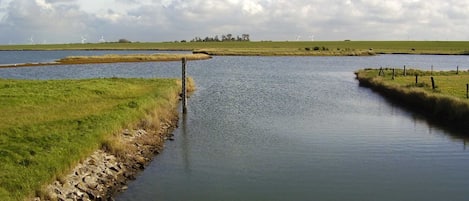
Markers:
point(185, 143)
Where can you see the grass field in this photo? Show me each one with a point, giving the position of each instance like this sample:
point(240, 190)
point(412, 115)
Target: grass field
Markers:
point(46, 127)
point(288, 48)
point(447, 102)
point(450, 83)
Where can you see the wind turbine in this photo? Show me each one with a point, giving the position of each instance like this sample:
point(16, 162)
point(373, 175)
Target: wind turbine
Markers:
point(83, 39)
point(298, 37)
point(31, 40)
point(312, 37)
point(102, 40)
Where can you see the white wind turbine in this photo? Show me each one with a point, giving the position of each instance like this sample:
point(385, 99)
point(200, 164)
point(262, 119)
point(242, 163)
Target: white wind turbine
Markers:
point(83, 39)
point(102, 40)
point(298, 37)
point(312, 37)
point(31, 40)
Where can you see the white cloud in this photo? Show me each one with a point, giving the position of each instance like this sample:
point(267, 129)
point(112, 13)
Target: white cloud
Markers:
point(251, 7)
point(167, 20)
point(43, 4)
point(110, 16)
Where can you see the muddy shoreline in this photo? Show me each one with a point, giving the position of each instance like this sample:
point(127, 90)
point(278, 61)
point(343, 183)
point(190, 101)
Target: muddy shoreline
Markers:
point(103, 175)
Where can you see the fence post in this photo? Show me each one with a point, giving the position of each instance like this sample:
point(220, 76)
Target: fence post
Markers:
point(433, 83)
point(416, 78)
point(184, 100)
point(457, 70)
point(381, 72)
point(467, 90)
point(393, 73)
point(405, 71)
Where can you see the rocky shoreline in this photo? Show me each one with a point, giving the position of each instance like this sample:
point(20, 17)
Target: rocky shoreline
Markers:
point(103, 174)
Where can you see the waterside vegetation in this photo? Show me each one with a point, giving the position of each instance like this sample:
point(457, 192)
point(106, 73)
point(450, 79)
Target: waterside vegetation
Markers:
point(444, 99)
point(47, 127)
point(308, 48)
point(113, 58)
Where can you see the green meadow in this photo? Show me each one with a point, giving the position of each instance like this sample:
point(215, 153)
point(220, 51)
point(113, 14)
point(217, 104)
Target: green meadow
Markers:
point(273, 48)
point(46, 127)
point(447, 102)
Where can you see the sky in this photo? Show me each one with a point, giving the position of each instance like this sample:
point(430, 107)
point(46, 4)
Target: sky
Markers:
point(76, 21)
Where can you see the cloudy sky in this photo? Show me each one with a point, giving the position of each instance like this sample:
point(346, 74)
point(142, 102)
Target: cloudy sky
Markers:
point(67, 21)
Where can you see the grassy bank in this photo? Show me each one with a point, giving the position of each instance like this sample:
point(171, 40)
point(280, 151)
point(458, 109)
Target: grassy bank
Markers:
point(113, 58)
point(131, 58)
point(447, 102)
point(280, 48)
point(46, 127)
point(309, 51)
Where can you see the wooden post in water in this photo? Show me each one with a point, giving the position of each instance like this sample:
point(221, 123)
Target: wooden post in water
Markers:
point(433, 83)
point(184, 99)
point(457, 70)
point(405, 71)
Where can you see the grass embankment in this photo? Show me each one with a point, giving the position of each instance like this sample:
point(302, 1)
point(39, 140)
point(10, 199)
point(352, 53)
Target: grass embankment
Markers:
point(309, 51)
point(130, 58)
point(447, 103)
point(114, 58)
point(47, 127)
point(274, 48)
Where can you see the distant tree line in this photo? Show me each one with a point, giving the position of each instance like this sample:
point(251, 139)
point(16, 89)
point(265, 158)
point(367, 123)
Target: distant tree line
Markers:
point(222, 38)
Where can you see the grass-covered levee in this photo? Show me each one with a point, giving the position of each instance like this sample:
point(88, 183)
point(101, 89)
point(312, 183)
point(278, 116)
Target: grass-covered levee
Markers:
point(47, 127)
point(274, 48)
point(445, 99)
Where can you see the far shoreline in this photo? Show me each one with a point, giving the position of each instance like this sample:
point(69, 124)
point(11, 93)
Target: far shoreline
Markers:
point(129, 58)
point(266, 48)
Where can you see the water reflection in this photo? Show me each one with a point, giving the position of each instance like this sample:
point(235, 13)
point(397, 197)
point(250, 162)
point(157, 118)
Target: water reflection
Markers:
point(418, 117)
point(185, 143)
point(262, 128)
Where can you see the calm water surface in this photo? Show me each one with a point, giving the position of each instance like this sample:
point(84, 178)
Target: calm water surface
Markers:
point(292, 128)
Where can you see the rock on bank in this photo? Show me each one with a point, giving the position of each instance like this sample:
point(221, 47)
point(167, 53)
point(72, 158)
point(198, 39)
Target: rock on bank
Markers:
point(103, 174)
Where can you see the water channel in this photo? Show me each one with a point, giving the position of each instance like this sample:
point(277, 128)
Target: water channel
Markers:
point(292, 128)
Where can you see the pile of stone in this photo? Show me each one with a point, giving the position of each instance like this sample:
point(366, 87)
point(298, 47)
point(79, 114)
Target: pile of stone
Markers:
point(102, 175)
point(91, 180)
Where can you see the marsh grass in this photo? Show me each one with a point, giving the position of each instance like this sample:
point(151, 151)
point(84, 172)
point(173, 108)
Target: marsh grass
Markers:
point(46, 127)
point(112, 58)
point(447, 103)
